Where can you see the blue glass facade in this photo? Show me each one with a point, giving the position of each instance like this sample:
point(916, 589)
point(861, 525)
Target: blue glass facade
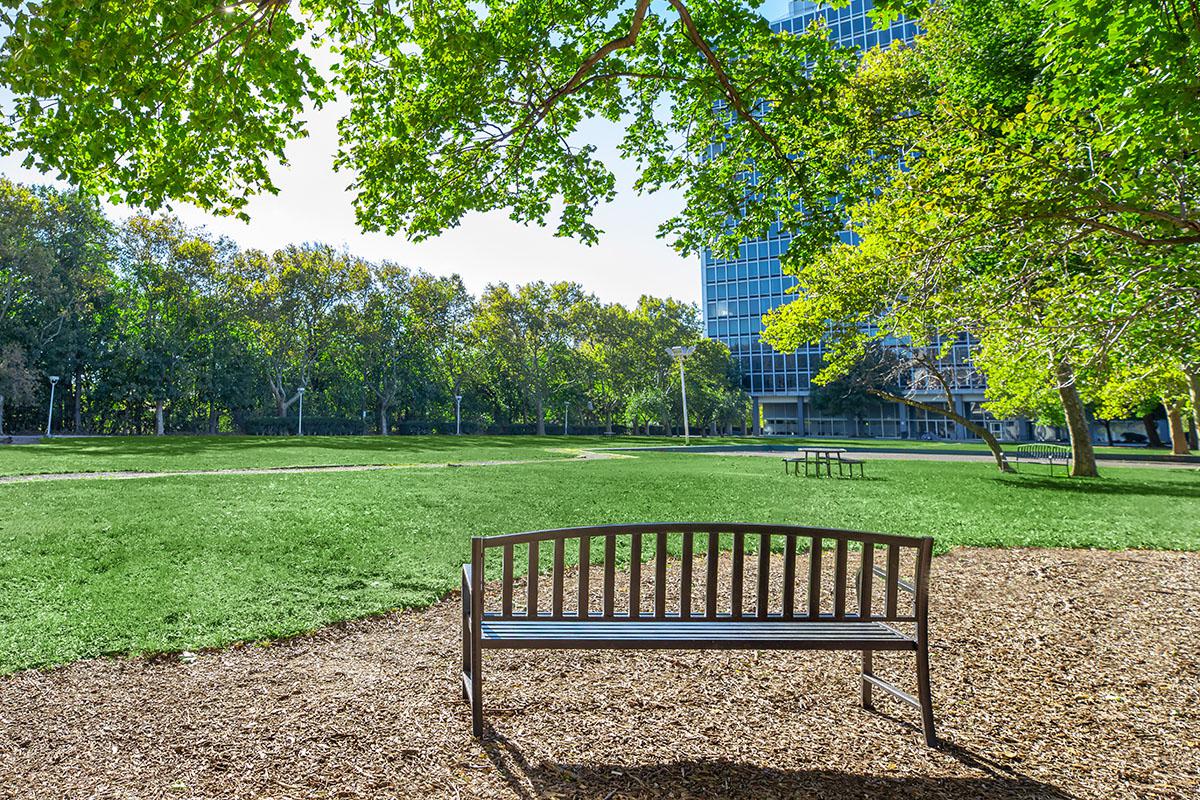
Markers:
point(738, 291)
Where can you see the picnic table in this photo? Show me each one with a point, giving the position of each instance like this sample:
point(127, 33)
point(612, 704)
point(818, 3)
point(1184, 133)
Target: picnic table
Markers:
point(817, 457)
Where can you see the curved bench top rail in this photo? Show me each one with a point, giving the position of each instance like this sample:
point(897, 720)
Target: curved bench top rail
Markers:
point(832, 534)
point(724, 572)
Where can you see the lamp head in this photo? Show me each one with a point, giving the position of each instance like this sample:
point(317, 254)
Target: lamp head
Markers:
point(54, 379)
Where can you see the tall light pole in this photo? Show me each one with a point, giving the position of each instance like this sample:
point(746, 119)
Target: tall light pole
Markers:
point(458, 415)
point(680, 353)
point(300, 420)
point(50, 413)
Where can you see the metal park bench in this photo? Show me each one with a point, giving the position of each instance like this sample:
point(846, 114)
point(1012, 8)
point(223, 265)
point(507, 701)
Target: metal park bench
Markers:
point(1043, 454)
point(810, 605)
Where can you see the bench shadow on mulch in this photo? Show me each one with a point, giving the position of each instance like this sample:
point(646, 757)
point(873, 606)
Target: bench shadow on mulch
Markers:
point(717, 778)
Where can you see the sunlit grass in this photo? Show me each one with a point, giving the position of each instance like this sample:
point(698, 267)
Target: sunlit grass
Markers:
point(95, 566)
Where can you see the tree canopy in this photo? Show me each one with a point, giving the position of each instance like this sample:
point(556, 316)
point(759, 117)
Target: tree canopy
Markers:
point(1025, 174)
point(154, 326)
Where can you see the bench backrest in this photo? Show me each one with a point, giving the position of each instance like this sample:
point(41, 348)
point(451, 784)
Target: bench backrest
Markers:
point(1044, 450)
point(826, 576)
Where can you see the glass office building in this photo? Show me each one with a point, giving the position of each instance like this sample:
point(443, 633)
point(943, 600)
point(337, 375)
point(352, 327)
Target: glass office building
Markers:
point(738, 291)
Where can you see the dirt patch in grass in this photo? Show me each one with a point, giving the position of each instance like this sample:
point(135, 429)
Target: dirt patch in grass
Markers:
point(1056, 674)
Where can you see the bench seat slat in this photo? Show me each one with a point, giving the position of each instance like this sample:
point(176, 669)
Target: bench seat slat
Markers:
point(698, 635)
point(825, 619)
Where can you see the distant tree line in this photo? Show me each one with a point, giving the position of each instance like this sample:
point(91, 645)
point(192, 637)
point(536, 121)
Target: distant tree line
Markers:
point(155, 327)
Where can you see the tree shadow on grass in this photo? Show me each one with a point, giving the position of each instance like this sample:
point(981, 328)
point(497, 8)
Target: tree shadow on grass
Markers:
point(726, 778)
point(1104, 486)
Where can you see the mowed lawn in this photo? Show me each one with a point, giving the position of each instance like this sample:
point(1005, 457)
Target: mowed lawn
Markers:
point(186, 453)
point(93, 567)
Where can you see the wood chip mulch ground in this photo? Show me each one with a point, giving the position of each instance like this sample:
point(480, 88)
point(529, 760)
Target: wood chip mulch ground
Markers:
point(1056, 674)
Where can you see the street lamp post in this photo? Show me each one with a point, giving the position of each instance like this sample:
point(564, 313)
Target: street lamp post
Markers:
point(300, 419)
point(50, 413)
point(680, 353)
point(458, 415)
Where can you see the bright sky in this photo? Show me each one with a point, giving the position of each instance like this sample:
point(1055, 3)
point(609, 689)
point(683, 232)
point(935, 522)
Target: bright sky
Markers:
point(314, 205)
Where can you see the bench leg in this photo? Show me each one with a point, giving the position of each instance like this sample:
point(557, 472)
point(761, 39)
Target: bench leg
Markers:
point(924, 694)
point(472, 667)
point(866, 685)
point(476, 696)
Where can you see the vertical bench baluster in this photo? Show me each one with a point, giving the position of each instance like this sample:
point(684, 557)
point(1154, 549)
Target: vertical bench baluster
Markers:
point(610, 569)
point(893, 578)
point(739, 560)
point(531, 593)
point(556, 602)
point(868, 575)
point(710, 578)
point(814, 578)
point(635, 576)
point(839, 580)
point(764, 575)
point(685, 576)
point(506, 590)
point(789, 576)
point(660, 576)
point(585, 561)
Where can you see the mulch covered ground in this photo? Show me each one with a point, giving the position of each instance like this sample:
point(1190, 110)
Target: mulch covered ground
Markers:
point(1056, 674)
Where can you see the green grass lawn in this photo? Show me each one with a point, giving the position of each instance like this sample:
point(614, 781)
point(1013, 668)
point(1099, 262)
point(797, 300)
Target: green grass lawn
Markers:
point(178, 453)
point(91, 567)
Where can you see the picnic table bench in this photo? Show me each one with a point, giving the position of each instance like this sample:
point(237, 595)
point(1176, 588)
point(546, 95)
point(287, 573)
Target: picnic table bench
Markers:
point(812, 608)
point(1044, 454)
point(824, 457)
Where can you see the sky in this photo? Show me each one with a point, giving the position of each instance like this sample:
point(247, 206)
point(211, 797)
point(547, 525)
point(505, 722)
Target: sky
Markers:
point(314, 205)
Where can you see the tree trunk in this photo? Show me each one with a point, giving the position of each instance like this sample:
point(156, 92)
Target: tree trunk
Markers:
point(1, 415)
point(608, 423)
point(1193, 382)
point(77, 410)
point(983, 433)
point(1151, 426)
point(541, 416)
point(1108, 431)
point(1179, 446)
point(282, 401)
point(383, 419)
point(1083, 457)
point(214, 418)
point(158, 418)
